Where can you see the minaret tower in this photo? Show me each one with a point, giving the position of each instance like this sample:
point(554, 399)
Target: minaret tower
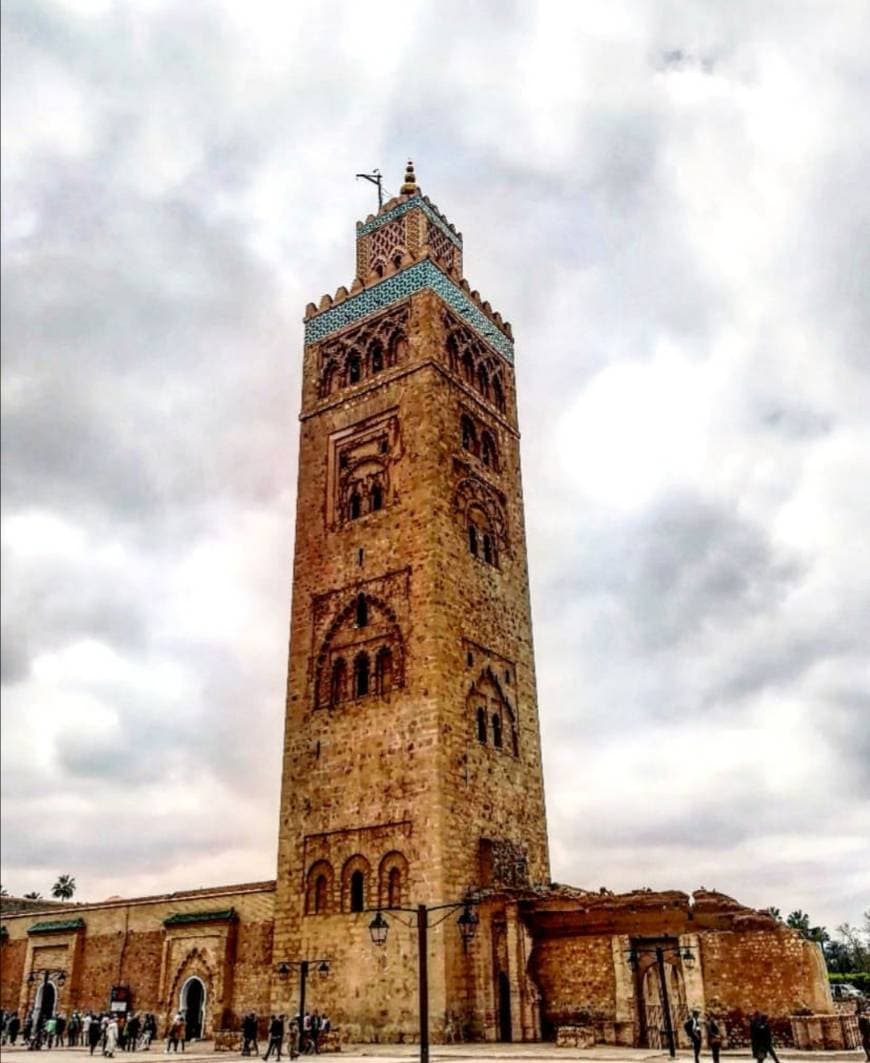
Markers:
point(412, 764)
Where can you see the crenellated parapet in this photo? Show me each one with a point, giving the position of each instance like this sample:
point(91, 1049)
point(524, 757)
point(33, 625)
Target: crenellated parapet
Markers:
point(408, 246)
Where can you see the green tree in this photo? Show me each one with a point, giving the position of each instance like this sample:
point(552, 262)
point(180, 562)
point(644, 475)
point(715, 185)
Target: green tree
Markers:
point(800, 921)
point(33, 896)
point(64, 888)
point(775, 912)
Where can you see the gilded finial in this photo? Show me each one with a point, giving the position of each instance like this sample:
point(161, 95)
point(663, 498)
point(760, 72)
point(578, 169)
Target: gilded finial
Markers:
point(410, 185)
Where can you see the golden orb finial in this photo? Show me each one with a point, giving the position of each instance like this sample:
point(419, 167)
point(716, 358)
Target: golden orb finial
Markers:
point(410, 185)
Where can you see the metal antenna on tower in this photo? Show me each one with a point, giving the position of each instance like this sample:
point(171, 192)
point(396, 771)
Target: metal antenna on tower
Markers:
point(376, 179)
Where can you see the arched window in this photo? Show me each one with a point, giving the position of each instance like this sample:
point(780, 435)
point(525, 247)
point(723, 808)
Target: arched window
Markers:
point(498, 393)
point(496, 730)
point(376, 357)
point(362, 611)
point(483, 381)
point(452, 353)
point(378, 268)
point(397, 261)
point(377, 498)
point(357, 891)
point(469, 436)
point(339, 681)
point(488, 555)
point(384, 671)
point(394, 888)
point(398, 348)
point(468, 367)
point(481, 725)
point(354, 369)
point(487, 451)
point(355, 507)
point(320, 894)
point(361, 675)
point(318, 888)
point(472, 539)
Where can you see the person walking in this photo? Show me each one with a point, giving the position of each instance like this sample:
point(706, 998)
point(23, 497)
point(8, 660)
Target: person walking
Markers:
point(172, 1036)
point(863, 1029)
point(276, 1036)
point(249, 1035)
point(111, 1038)
point(714, 1036)
point(12, 1028)
point(50, 1031)
point(95, 1033)
point(692, 1026)
point(761, 1038)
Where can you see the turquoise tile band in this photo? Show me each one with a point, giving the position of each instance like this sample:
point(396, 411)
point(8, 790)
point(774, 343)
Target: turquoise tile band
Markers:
point(363, 229)
point(393, 289)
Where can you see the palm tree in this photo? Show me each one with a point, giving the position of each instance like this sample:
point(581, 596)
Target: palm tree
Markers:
point(33, 896)
point(775, 912)
point(64, 888)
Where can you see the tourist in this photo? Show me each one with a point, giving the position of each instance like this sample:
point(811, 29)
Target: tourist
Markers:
point(761, 1038)
point(249, 1035)
point(131, 1033)
point(172, 1036)
point(111, 1038)
point(714, 1036)
point(150, 1031)
point(306, 1032)
point(13, 1025)
point(60, 1028)
point(50, 1031)
point(182, 1029)
point(692, 1026)
point(95, 1032)
point(276, 1036)
point(863, 1029)
point(315, 1031)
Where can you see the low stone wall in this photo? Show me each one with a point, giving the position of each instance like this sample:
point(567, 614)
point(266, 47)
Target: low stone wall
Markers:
point(575, 1036)
point(825, 1032)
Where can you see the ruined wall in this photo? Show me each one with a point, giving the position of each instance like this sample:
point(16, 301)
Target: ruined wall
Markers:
point(575, 974)
point(774, 971)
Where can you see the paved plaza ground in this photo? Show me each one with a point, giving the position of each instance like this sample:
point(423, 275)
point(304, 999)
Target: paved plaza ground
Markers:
point(487, 1053)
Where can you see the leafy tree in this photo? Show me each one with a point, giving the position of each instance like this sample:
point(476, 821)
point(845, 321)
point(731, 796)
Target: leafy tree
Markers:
point(33, 896)
point(800, 921)
point(64, 888)
point(775, 912)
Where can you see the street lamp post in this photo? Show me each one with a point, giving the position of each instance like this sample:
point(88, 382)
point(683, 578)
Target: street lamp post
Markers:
point(467, 923)
point(658, 950)
point(47, 974)
point(284, 968)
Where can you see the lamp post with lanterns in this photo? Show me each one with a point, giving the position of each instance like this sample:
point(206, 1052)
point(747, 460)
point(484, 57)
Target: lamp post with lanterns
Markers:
point(467, 923)
point(286, 966)
point(59, 976)
point(658, 949)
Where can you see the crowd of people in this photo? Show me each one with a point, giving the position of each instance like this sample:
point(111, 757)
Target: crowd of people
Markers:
point(107, 1032)
point(302, 1037)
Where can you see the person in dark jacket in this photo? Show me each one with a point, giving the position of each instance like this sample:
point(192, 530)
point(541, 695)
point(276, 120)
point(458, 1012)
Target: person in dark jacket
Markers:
point(863, 1030)
point(761, 1038)
point(714, 1036)
point(692, 1026)
point(249, 1035)
point(276, 1036)
point(95, 1033)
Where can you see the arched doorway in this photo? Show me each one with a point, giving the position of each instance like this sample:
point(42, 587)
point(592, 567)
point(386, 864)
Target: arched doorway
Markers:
point(504, 1007)
point(46, 1002)
point(192, 1004)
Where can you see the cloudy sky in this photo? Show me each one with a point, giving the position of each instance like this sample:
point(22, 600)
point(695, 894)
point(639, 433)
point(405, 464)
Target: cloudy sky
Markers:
point(668, 200)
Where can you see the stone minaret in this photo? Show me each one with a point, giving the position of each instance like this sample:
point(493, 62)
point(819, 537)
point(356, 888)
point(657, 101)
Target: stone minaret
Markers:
point(412, 764)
